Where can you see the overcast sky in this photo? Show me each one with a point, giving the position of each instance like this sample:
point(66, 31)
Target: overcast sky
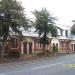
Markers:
point(63, 9)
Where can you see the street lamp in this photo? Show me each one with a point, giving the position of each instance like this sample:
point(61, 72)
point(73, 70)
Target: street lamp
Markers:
point(4, 17)
point(1, 19)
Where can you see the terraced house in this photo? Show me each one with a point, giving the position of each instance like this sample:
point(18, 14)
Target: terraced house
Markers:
point(65, 43)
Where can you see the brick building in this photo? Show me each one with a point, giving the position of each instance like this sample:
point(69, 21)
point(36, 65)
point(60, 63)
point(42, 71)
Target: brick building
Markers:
point(65, 42)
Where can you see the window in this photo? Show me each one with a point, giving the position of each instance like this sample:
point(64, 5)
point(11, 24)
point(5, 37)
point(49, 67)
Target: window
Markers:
point(39, 45)
point(61, 43)
point(67, 44)
point(72, 47)
point(66, 33)
point(61, 31)
point(14, 42)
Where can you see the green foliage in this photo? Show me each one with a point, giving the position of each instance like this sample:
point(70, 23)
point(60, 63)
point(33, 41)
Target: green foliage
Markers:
point(44, 40)
point(40, 54)
point(13, 17)
point(45, 25)
point(55, 50)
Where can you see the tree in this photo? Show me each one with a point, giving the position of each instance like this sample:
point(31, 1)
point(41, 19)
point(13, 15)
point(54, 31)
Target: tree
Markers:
point(44, 25)
point(11, 16)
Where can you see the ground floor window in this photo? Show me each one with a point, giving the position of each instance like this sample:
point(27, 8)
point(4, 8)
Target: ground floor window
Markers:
point(67, 45)
point(73, 47)
point(39, 45)
point(62, 44)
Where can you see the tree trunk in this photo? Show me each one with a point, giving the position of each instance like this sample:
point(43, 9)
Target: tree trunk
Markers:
point(44, 48)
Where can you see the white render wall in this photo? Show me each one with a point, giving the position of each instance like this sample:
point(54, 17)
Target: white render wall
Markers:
point(55, 41)
point(63, 33)
point(73, 42)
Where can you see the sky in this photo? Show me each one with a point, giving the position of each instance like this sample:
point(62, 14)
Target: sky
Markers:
point(64, 10)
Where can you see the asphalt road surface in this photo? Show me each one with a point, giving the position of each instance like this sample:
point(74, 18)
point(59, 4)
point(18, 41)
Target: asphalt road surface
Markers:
point(62, 65)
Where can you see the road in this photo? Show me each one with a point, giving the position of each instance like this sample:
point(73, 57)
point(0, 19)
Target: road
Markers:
point(62, 65)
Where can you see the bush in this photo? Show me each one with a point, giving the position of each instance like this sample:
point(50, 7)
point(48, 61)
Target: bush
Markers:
point(40, 54)
point(14, 55)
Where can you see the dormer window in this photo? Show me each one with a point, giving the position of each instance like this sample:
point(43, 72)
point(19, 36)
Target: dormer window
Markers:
point(66, 33)
point(61, 31)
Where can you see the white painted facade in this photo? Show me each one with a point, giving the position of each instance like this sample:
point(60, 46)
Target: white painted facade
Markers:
point(55, 41)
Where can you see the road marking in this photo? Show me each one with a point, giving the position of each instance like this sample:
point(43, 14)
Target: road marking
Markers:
point(40, 67)
point(47, 66)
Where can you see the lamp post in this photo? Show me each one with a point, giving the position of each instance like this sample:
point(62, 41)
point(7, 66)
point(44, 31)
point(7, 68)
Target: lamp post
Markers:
point(4, 17)
point(1, 22)
point(1, 19)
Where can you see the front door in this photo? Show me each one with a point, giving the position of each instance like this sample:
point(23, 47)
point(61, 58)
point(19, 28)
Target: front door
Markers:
point(74, 47)
point(25, 47)
point(57, 47)
point(30, 48)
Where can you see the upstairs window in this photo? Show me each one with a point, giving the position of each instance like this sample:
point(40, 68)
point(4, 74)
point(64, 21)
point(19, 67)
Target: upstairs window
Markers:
point(61, 32)
point(66, 33)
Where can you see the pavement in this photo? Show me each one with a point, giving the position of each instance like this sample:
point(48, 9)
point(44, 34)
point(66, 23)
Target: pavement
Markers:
point(29, 59)
point(60, 65)
point(19, 61)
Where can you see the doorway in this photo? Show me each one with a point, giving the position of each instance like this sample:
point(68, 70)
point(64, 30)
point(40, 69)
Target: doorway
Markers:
point(30, 48)
point(74, 47)
point(25, 47)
